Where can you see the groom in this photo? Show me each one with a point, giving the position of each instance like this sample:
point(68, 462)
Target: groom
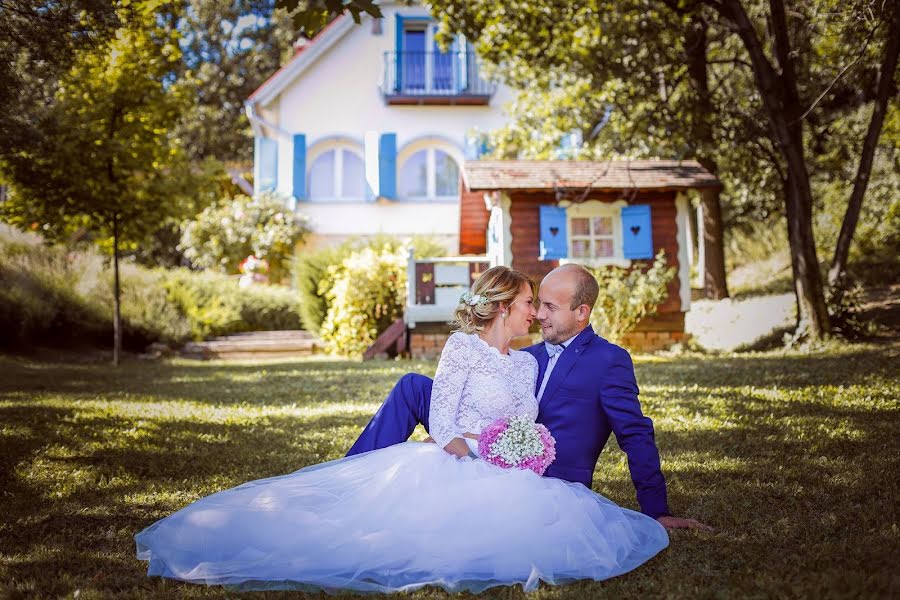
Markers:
point(586, 390)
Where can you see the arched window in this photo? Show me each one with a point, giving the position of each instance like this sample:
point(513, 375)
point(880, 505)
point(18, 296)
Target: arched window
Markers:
point(337, 174)
point(429, 174)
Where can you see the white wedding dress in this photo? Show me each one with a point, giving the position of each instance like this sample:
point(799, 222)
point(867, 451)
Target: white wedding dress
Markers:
point(410, 515)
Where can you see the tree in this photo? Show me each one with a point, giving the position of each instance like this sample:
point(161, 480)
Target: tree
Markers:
point(103, 157)
point(310, 16)
point(229, 48)
point(885, 90)
point(634, 78)
point(766, 69)
point(38, 39)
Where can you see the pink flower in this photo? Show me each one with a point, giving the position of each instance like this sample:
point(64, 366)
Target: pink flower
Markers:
point(538, 463)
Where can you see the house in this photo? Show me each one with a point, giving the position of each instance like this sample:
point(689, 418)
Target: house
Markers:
point(366, 128)
point(372, 128)
point(536, 215)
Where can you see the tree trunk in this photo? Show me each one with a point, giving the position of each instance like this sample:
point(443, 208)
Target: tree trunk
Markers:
point(885, 85)
point(783, 108)
point(117, 313)
point(715, 284)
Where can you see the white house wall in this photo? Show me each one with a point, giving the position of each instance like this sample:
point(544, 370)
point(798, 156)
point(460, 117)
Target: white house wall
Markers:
point(338, 95)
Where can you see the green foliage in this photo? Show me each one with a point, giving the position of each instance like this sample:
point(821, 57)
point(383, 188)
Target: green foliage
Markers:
point(230, 48)
point(367, 294)
point(52, 296)
point(102, 157)
point(873, 255)
point(38, 42)
point(310, 276)
point(314, 277)
point(844, 300)
point(56, 297)
point(224, 234)
point(214, 304)
point(629, 295)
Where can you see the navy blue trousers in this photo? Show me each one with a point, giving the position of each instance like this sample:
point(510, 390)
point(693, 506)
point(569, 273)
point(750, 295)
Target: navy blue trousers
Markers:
point(405, 407)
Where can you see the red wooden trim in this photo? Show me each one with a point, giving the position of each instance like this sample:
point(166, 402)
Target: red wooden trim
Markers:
point(424, 283)
point(476, 269)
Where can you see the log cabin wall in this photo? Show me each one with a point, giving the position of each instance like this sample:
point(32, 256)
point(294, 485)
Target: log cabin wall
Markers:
point(654, 333)
point(526, 234)
point(473, 222)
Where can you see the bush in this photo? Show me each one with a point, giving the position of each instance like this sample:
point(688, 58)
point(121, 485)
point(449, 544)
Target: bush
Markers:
point(844, 300)
point(314, 277)
point(629, 295)
point(213, 304)
point(368, 294)
point(311, 276)
point(53, 296)
point(224, 234)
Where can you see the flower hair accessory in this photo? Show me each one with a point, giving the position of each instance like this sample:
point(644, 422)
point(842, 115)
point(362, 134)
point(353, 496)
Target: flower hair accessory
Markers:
point(473, 299)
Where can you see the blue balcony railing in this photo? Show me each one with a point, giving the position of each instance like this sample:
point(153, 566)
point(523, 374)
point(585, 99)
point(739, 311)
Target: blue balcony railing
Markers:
point(435, 77)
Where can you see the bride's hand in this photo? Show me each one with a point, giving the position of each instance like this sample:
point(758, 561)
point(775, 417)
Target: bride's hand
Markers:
point(457, 447)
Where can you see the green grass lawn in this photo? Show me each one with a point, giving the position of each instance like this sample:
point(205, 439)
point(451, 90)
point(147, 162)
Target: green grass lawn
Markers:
point(793, 459)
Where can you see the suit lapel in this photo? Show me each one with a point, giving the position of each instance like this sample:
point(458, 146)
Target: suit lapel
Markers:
point(542, 359)
point(564, 363)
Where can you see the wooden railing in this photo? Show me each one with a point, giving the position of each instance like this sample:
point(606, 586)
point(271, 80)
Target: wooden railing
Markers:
point(443, 77)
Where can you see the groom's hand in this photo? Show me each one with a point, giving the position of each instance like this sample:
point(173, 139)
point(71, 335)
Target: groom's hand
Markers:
point(670, 522)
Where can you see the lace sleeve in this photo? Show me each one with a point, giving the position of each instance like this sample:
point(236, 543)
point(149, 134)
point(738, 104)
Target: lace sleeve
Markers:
point(529, 375)
point(451, 375)
point(532, 382)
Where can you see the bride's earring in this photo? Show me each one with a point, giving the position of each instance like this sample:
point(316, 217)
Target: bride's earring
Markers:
point(503, 314)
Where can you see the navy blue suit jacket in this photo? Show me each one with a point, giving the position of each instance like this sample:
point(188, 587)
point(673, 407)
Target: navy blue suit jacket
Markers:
point(591, 393)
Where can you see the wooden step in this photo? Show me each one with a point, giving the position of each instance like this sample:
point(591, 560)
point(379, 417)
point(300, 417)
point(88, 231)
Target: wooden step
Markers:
point(255, 344)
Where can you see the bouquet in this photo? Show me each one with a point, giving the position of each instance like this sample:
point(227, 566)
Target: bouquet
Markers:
point(517, 443)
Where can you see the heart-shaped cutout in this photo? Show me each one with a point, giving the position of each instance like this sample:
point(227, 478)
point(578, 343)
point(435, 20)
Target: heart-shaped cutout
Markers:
point(635, 229)
point(554, 231)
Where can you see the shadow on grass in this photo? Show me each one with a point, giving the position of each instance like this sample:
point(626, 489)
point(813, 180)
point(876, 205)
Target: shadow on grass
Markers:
point(801, 491)
point(211, 383)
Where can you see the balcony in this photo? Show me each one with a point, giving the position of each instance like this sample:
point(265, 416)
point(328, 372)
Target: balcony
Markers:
point(434, 78)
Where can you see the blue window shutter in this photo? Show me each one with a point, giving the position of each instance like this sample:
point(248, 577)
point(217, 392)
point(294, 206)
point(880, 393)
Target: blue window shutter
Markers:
point(299, 166)
point(637, 231)
point(554, 240)
point(387, 165)
point(398, 60)
point(265, 165)
point(462, 60)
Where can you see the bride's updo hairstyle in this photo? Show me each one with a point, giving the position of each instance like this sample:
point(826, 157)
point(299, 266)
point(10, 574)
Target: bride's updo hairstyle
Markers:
point(482, 303)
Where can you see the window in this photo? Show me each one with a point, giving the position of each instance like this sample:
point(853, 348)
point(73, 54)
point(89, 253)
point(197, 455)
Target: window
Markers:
point(429, 174)
point(595, 233)
point(423, 67)
point(592, 237)
point(337, 175)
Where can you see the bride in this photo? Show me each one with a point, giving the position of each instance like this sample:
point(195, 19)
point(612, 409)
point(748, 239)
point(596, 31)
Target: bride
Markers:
point(417, 514)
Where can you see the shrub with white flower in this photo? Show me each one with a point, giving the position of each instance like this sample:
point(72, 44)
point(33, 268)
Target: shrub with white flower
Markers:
point(223, 235)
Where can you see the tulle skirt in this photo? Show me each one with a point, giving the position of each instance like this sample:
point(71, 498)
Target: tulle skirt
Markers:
point(398, 519)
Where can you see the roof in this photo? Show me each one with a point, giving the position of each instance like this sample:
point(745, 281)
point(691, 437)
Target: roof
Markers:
point(304, 56)
point(598, 175)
